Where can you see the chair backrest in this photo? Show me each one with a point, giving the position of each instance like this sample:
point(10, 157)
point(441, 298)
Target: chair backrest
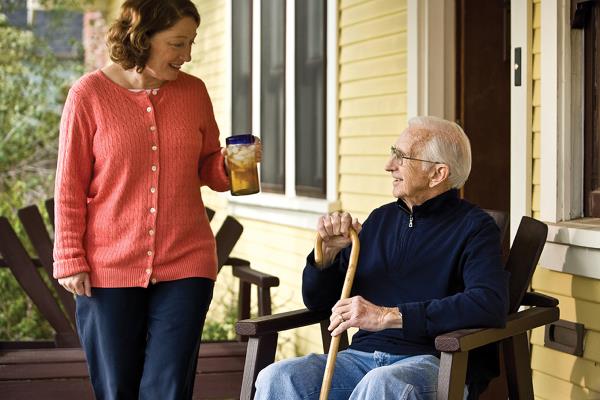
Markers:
point(210, 213)
point(226, 238)
point(523, 258)
point(501, 219)
point(26, 273)
point(38, 235)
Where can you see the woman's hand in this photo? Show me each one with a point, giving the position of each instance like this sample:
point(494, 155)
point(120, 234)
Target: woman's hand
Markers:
point(78, 284)
point(359, 313)
point(257, 153)
point(334, 230)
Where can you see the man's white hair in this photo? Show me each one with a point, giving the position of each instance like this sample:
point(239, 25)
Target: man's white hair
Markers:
point(444, 142)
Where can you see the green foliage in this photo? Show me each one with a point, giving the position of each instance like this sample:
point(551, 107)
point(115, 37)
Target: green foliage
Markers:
point(33, 84)
point(215, 330)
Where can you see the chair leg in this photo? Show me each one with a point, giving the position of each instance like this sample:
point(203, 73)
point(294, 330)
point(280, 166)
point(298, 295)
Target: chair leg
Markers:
point(518, 368)
point(260, 353)
point(452, 376)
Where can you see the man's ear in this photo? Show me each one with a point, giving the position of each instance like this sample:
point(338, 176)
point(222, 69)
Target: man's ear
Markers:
point(439, 174)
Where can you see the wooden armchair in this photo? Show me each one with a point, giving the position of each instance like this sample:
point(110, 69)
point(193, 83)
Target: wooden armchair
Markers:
point(57, 369)
point(454, 346)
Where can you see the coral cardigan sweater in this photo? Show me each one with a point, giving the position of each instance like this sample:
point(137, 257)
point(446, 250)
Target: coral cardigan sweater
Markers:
point(127, 196)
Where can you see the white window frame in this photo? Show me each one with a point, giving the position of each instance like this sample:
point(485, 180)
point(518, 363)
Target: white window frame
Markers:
point(573, 244)
point(289, 208)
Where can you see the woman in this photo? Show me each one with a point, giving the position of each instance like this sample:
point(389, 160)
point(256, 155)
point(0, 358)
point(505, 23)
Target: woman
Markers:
point(137, 140)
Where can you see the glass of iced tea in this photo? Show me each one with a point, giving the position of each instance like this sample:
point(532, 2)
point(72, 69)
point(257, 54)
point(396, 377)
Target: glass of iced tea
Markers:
point(241, 159)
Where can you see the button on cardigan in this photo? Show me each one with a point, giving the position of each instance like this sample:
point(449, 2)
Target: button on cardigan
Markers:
point(127, 196)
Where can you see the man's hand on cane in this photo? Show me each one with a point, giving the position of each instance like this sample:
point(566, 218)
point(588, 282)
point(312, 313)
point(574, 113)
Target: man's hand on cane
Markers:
point(334, 230)
point(356, 312)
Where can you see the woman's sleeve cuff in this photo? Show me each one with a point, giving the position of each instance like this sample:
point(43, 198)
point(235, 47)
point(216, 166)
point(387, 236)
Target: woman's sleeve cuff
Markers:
point(64, 268)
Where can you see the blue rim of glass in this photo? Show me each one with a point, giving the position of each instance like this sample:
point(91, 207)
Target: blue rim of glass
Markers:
point(240, 139)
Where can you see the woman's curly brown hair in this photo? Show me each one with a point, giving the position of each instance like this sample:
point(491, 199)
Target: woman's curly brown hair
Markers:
point(128, 38)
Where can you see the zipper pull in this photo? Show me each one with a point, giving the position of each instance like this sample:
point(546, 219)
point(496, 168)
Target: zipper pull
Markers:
point(410, 221)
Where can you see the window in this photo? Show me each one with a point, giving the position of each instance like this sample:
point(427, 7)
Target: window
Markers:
point(310, 97)
point(288, 99)
point(272, 95)
point(587, 17)
point(241, 67)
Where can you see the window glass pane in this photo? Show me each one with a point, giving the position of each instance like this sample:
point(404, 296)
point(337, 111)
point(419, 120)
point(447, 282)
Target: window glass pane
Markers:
point(592, 113)
point(272, 98)
point(241, 66)
point(310, 97)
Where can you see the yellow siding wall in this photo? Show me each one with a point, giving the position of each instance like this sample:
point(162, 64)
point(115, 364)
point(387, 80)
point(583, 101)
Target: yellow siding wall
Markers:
point(372, 95)
point(557, 375)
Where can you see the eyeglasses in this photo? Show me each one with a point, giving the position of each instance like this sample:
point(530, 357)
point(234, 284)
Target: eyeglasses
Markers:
point(399, 157)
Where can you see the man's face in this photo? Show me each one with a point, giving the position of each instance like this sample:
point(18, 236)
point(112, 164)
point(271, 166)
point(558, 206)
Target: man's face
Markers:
point(410, 179)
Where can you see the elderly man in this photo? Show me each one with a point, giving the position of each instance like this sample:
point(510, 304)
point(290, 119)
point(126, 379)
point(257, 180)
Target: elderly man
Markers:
point(430, 263)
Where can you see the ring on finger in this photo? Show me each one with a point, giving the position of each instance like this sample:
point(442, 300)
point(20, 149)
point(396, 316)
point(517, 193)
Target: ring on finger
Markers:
point(341, 317)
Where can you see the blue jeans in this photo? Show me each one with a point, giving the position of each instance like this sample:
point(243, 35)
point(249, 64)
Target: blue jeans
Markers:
point(357, 375)
point(142, 343)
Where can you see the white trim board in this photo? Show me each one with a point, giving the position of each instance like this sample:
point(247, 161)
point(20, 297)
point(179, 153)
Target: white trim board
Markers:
point(520, 115)
point(431, 58)
point(574, 260)
point(301, 212)
point(561, 116)
point(573, 248)
point(576, 233)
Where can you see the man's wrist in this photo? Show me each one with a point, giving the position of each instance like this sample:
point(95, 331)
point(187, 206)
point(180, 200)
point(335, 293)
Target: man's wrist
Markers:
point(392, 318)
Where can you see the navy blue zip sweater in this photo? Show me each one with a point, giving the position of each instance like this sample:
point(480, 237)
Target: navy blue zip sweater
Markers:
point(441, 265)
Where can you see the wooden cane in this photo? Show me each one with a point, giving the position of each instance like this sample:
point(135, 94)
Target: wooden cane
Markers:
point(335, 341)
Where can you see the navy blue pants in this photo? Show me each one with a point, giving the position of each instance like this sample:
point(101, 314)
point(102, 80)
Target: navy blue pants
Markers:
point(143, 342)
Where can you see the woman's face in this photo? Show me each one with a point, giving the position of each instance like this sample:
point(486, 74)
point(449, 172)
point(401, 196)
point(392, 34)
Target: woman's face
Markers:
point(169, 49)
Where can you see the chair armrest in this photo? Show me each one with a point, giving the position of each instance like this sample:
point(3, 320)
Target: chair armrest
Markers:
point(261, 279)
point(520, 322)
point(538, 300)
point(237, 262)
point(279, 322)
